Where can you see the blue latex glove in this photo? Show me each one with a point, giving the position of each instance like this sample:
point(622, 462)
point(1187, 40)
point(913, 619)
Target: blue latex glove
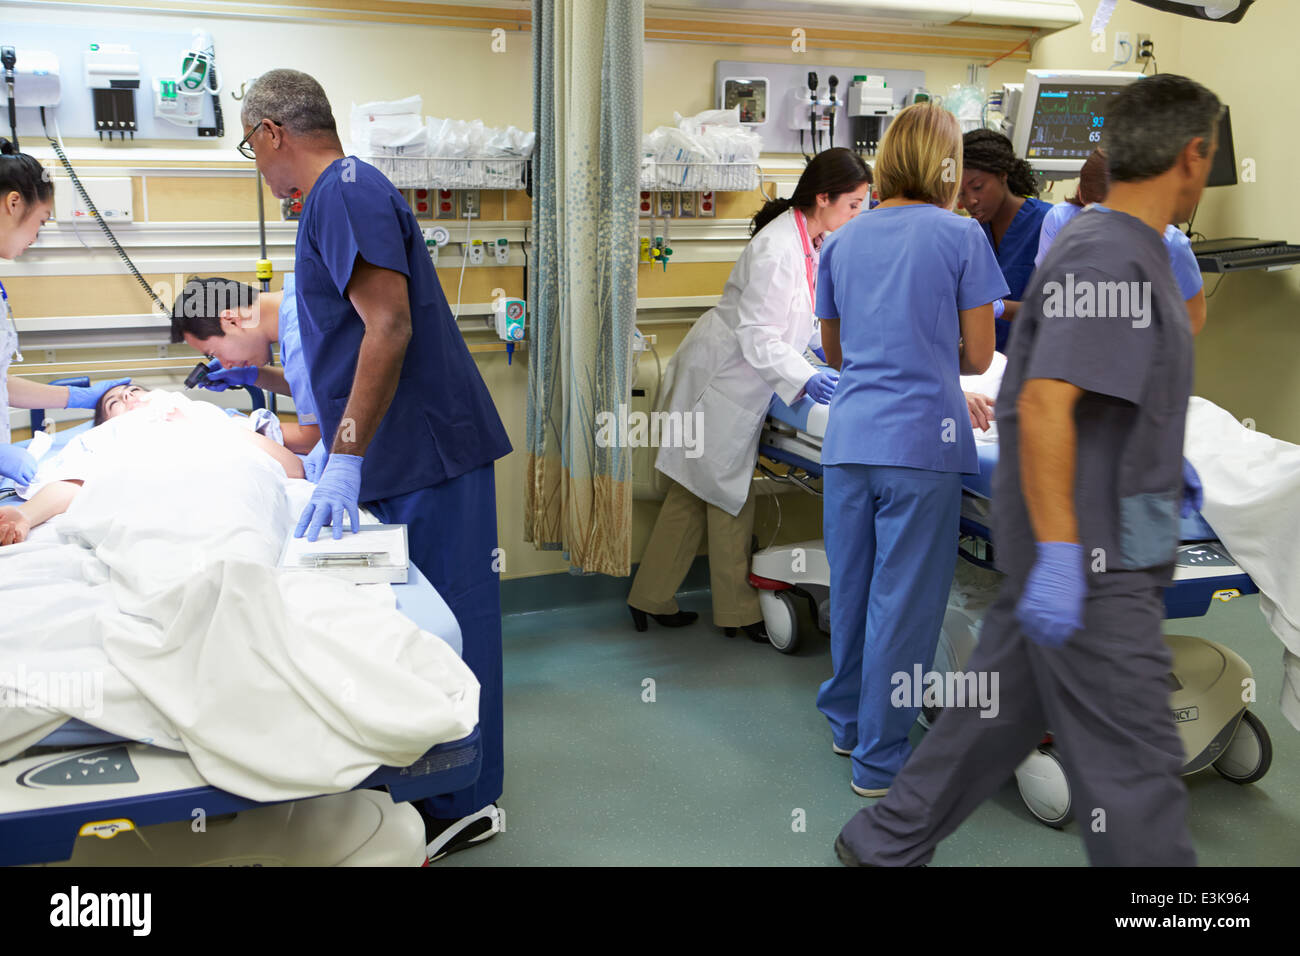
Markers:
point(1051, 607)
point(314, 463)
point(820, 354)
point(336, 492)
point(821, 386)
point(999, 308)
point(1193, 491)
point(79, 397)
point(221, 378)
point(18, 464)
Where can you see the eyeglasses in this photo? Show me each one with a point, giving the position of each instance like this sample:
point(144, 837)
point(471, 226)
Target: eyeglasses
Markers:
point(244, 147)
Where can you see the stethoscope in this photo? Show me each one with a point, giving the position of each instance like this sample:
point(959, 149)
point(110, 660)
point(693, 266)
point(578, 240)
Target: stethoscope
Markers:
point(9, 315)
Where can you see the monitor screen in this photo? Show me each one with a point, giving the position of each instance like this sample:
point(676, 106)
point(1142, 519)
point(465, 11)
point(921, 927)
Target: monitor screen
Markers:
point(1224, 170)
point(1068, 120)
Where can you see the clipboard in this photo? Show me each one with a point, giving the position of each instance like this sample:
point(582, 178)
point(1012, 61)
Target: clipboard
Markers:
point(377, 554)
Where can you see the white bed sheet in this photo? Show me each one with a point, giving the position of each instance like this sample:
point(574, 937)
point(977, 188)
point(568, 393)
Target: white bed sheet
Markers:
point(158, 587)
point(1252, 501)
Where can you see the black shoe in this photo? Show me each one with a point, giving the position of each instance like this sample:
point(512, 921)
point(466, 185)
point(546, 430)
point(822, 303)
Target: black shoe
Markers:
point(442, 837)
point(755, 632)
point(678, 619)
point(846, 855)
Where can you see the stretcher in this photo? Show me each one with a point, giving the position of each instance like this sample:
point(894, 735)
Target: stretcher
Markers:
point(1216, 727)
point(792, 437)
point(82, 785)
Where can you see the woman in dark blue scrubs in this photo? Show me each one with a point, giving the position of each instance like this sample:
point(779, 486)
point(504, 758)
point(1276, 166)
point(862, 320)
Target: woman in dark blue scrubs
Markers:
point(999, 191)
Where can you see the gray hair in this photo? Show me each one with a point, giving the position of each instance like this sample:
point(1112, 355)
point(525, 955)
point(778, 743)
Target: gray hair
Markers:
point(292, 99)
point(1152, 121)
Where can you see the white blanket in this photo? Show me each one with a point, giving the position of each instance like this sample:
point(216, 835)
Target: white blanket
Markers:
point(1252, 501)
point(158, 615)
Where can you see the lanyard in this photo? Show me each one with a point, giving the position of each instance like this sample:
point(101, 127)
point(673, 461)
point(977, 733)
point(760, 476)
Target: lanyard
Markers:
point(811, 268)
point(4, 303)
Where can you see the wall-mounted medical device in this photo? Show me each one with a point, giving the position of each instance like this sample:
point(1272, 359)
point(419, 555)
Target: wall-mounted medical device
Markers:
point(435, 237)
point(36, 79)
point(870, 109)
point(179, 99)
point(748, 95)
point(1062, 117)
point(509, 323)
point(113, 76)
point(807, 107)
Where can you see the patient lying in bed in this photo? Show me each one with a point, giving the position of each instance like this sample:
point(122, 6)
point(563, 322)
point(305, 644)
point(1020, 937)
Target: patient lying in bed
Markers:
point(126, 408)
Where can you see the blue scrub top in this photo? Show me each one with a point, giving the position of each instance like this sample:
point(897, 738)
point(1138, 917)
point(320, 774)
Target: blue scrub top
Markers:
point(1016, 254)
point(441, 423)
point(896, 279)
point(1187, 271)
point(291, 357)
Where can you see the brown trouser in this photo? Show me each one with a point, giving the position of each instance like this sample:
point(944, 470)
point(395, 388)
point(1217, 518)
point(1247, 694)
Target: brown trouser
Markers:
point(682, 521)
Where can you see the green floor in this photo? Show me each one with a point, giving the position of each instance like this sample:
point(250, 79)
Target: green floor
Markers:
point(732, 751)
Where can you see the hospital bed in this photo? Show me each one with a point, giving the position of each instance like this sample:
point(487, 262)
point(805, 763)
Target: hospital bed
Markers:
point(1217, 728)
point(81, 782)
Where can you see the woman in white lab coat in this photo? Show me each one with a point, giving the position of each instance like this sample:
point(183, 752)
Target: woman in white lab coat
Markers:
point(722, 378)
point(26, 201)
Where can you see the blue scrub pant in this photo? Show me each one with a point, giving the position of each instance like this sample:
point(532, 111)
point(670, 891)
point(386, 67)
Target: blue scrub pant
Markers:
point(1105, 697)
point(452, 533)
point(891, 540)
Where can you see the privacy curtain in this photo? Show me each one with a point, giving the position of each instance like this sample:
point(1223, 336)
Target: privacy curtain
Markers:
point(582, 283)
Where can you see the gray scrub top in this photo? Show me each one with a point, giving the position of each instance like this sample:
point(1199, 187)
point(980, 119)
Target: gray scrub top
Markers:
point(1104, 313)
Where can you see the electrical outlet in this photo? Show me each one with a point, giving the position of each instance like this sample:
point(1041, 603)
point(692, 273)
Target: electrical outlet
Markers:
point(476, 252)
point(686, 205)
point(445, 205)
point(647, 203)
point(1123, 48)
point(421, 202)
point(1146, 48)
point(665, 203)
point(707, 205)
point(469, 207)
point(501, 249)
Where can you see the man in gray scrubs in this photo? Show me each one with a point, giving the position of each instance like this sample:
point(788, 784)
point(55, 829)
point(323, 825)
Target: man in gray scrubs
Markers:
point(1085, 520)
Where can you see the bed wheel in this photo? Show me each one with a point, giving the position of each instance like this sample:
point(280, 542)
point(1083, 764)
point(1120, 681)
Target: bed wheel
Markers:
point(1249, 754)
point(781, 620)
point(1045, 788)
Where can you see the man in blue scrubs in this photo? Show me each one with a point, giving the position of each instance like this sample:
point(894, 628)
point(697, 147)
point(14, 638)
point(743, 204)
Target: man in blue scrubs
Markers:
point(411, 428)
point(1087, 495)
point(236, 324)
point(998, 190)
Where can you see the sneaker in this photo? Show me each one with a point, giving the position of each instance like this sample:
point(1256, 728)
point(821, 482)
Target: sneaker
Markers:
point(448, 836)
point(864, 792)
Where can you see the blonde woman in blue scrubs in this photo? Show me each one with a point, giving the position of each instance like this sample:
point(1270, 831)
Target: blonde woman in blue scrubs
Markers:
point(905, 295)
point(26, 202)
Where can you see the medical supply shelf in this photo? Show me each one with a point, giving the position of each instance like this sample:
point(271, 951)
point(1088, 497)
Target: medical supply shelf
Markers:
point(431, 172)
point(699, 177)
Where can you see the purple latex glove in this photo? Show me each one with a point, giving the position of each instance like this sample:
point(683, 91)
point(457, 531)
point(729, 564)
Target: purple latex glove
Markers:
point(821, 386)
point(1051, 607)
point(221, 378)
point(336, 493)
